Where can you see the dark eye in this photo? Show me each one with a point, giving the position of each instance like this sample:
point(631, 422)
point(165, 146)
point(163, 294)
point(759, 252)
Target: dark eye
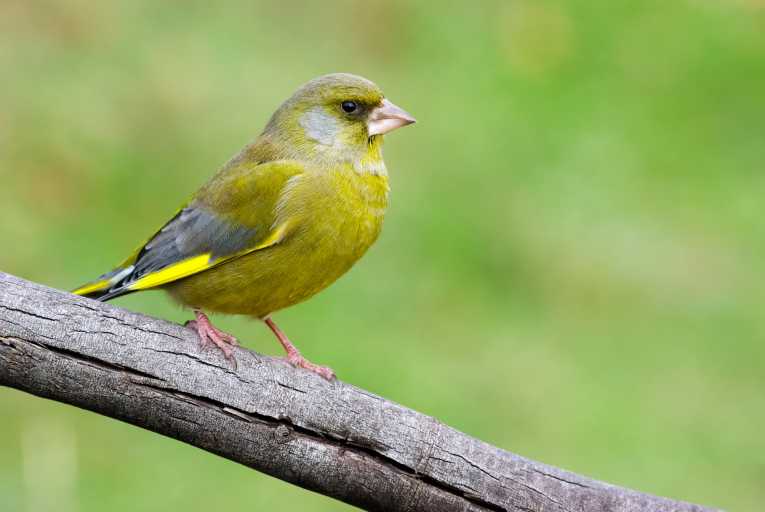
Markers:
point(349, 106)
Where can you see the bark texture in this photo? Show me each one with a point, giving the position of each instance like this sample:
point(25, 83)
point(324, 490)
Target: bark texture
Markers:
point(329, 437)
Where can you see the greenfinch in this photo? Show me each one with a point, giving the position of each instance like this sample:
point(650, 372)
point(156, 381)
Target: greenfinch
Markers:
point(281, 221)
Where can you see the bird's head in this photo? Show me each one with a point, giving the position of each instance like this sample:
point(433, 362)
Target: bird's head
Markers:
point(337, 117)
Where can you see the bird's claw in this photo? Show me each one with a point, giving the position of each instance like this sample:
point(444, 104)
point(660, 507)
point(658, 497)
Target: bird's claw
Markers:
point(298, 361)
point(211, 335)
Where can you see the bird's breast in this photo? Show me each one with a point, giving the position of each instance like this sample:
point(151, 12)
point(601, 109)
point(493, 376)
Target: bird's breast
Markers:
point(332, 217)
point(338, 213)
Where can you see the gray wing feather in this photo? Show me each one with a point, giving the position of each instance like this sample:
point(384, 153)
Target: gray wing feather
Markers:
point(192, 232)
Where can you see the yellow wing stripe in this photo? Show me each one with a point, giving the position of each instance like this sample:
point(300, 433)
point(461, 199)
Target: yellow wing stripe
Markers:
point(199, 263)
point(173, 272)
point(92, 287)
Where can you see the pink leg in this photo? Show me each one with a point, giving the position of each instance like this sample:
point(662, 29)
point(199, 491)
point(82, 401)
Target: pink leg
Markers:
point(293, 354)
point(209, 333)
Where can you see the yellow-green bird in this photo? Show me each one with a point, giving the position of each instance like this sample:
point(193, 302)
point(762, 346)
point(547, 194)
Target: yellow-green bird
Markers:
point(281, 221)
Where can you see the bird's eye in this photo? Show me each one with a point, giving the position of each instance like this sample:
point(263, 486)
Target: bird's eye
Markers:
point(349, 106)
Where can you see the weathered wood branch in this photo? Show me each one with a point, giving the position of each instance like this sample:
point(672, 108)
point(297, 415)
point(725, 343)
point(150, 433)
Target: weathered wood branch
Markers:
point(332, 438)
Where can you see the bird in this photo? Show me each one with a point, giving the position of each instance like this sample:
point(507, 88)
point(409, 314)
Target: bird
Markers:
point(280, 221)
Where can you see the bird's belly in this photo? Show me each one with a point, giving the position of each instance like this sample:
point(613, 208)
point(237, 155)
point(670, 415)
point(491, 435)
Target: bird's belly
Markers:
point(319, 251)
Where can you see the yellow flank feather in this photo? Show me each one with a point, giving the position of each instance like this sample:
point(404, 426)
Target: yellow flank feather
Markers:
point(273, 239)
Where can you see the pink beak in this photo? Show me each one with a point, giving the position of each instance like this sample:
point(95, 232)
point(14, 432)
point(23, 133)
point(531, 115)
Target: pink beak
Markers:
point(387, 117)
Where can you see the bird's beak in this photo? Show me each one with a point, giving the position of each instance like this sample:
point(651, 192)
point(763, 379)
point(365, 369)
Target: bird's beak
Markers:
point(387, 117)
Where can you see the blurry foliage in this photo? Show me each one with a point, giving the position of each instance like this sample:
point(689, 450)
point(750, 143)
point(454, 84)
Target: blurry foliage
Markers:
point(571, 267)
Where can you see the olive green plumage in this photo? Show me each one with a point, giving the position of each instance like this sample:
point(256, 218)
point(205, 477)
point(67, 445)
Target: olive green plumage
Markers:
point(283, 219)
point(331, 216)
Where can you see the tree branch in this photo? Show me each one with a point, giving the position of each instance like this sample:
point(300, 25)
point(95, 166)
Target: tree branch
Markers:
point(332, 438)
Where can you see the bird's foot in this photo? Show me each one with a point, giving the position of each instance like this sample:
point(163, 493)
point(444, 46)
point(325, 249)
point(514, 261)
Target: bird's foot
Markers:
point(294, 357)
point(297, 360)
point(208, 334)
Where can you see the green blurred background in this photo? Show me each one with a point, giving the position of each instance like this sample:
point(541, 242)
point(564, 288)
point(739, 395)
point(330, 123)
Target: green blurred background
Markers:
point(571, 265)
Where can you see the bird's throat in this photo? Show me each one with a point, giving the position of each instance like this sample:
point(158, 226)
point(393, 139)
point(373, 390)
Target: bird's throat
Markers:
point(372, 161)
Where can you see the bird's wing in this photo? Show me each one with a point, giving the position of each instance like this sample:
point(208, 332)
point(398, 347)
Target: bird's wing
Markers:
point(234, 214)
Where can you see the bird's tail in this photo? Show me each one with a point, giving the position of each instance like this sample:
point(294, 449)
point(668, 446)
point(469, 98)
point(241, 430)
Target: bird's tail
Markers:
point(108, 286)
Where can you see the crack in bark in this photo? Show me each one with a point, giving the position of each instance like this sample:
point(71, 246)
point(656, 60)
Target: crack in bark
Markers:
point(198, 360)
point(293, 388)
point(25, 312)
point(86, 359)
point(560, 479)
point(540, 493)
point(473, 464)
